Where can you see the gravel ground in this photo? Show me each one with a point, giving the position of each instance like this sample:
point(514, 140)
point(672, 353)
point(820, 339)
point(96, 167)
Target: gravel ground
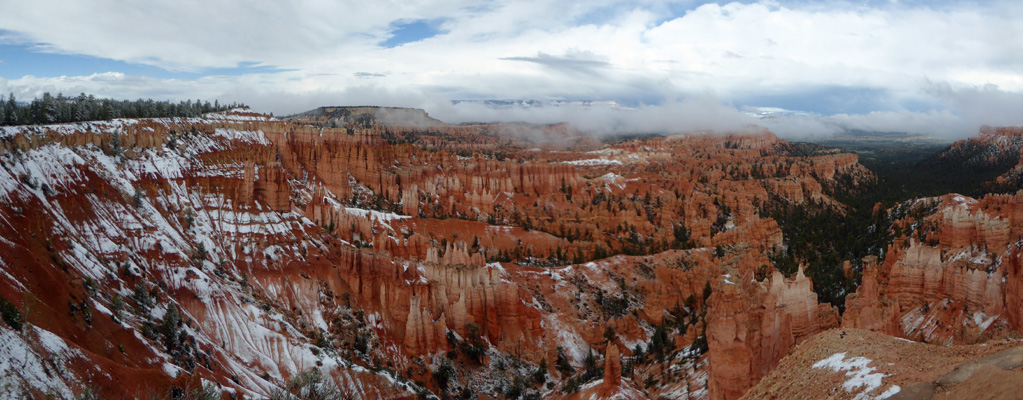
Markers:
point(902, 363)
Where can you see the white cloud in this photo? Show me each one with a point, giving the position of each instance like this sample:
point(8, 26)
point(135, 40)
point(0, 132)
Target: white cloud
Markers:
point(188, 35)
point(700, 114)
point(548, 49)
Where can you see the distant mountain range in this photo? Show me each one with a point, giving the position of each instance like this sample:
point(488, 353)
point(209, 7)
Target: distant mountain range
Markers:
point(610, 104)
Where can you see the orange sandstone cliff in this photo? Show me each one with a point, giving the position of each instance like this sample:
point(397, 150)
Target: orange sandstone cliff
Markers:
point(951, 277)
point(397, 256)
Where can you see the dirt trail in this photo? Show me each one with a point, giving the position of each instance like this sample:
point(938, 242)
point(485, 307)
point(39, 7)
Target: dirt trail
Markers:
point(997, 376)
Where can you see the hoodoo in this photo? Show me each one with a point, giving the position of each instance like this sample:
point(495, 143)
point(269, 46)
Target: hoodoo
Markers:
point(246, 253)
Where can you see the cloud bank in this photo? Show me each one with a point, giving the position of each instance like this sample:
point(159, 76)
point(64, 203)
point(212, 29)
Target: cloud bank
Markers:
point(941, 68)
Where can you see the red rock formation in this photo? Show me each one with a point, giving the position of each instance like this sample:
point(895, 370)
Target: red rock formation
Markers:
point(751, 325)
point(612, 366)
point(455, 254)
point(376, 244)
point(956, 285)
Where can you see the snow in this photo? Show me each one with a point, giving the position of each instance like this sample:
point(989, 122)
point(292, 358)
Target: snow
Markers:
point(247, 339)
point(495, 266)
point(983, 321)
point(234, 115)
point(90, 126)
point(247, 137)
point(35, 359)
point(500, 228)
point(171, 370)
point(892, 391)
point(611, 178)
point(384, 218)
point(251, 338)
point(575, 347)
point(593, 162)
point(861, 377)
point(607, 151)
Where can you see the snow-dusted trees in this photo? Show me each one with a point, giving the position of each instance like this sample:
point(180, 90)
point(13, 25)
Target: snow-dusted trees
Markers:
point(51, 109)
point(10, 111)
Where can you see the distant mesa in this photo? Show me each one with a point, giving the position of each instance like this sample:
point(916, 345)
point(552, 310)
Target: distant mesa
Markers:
point(365, 116)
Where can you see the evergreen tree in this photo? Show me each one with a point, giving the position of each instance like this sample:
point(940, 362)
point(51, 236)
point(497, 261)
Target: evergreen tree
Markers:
point(82, 111)
point(540, 376)
point(12, 111)
point(61, 109)
point(10, 107)
point(48, 108)
point(169, 327)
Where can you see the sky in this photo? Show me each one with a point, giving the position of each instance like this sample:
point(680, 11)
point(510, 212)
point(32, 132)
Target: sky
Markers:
point(940, 68)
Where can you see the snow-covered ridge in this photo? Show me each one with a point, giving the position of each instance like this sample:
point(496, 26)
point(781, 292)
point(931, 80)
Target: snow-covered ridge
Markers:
point(91, 126)
point(122, 123)
point(239, 114)
point(593, 162)
point(385, 217)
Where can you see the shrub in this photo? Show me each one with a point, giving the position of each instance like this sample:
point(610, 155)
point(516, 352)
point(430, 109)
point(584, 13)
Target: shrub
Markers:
point(136, 199)
point(169, 328)
point(540, 376)
point(11, 314)
point(141, 296)
point(474, 347)
point(308, 385)
point(116, 305)
point(516, 389)
point(443, 376)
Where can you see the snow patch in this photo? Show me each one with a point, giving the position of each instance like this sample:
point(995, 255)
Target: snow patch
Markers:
point(861, 377)
point(983, 321)
point(35, 363)
point(576, 348)
point(593, 162)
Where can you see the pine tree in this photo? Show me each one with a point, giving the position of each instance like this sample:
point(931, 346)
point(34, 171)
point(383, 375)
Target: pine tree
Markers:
point(169, 327)
point(562, 364)
point(82, 110)
point(115, 143)
point(48, 109)
point(60, 109)
point(540, 376)
point(12, 110)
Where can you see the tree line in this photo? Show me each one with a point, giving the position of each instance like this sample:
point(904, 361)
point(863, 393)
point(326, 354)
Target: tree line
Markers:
point(50, 109)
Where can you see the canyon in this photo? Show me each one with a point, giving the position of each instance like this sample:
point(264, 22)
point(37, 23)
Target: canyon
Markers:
point(396, 256)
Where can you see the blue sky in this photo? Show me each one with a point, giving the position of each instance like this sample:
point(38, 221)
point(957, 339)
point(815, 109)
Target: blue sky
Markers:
point(411, 31)
point(914, 66)
point(23, 59)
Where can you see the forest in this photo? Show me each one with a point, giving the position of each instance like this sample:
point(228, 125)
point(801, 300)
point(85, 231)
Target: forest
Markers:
point(50, 109)
point(823, 238)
